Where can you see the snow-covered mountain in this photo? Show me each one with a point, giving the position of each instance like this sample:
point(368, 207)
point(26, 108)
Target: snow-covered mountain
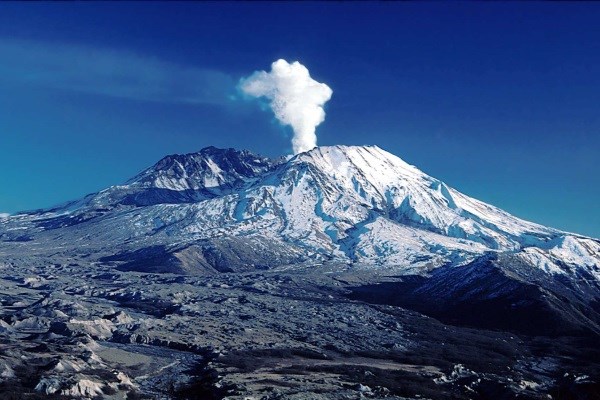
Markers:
point(343, 206)
point(336, 258)
point(351, 204)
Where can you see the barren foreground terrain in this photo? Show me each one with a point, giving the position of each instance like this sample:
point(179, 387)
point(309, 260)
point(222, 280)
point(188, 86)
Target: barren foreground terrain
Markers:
point(92, 331)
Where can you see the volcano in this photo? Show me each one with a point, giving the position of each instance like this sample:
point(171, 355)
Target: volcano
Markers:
point(354, 226)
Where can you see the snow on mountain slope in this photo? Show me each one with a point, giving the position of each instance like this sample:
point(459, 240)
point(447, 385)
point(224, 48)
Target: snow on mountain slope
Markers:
point(408, 196)
point(186, 178)
point(346, 203)
point(567, 254)
point(210, 168)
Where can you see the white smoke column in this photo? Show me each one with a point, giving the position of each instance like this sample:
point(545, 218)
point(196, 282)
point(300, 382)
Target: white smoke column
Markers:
point(295, 98)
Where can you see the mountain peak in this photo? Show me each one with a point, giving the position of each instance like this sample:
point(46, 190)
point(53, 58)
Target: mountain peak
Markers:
point(367, 157)
point(208, 168)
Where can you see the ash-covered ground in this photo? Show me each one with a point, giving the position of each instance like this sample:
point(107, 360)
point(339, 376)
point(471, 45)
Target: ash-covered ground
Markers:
point(88, 330)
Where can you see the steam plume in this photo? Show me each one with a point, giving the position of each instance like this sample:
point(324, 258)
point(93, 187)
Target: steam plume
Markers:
point(295, 98)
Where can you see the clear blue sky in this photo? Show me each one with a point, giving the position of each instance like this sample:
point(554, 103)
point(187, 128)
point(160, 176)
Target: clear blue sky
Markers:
point(500, 100)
